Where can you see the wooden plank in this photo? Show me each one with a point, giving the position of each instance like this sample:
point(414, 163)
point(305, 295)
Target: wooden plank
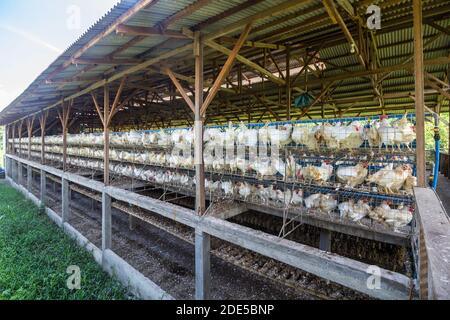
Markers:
point(435, 228)
point(225, 69)
point(419, 93)
point(187, 11)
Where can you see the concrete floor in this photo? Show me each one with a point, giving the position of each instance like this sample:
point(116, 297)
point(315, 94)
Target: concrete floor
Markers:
point(443, 191)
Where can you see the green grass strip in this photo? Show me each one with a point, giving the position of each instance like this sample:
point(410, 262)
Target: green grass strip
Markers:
point(35, 255)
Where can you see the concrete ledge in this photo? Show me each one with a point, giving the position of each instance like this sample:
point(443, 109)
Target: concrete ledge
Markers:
point(436, 231)
point(111, 263)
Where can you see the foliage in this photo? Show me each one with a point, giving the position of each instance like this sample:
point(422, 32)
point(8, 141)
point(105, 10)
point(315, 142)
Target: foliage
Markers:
point(429, 134)
point(35, 254)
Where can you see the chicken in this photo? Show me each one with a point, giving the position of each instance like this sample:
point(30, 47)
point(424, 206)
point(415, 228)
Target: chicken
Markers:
point(285, 169)
point(244, 190)
point(262, 193)
point(391, 180)
point(263, 167)
point(297, 197)
point(227, 188)
point(405, 132)
point(280, 136)
point(395, 218)
point(340, 136)
point(352, 211)
point(352, 176)
point(163, 139)
point(246, 137)
point(317, 174)
point(214, 137)
point(229, 136)
point(306, 136)
point(325, 203)
point(264, 135)
point(372, 135)
point(409, 184)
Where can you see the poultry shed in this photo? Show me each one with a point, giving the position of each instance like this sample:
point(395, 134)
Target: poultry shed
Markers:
point(261, 133)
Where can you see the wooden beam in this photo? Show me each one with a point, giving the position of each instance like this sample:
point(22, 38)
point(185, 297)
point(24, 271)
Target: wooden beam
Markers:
point(116, 100)
point(419, 93)
point(187, 11)
point(317, 99)
point(42, 122)
point(106, 135)
point(141, 4)
point(30, 123)
point(97, 107)
point(226, 68)
point(247, 62)
point(148, 32)
point(337, 19)
point(180, 89)
point(437, 88)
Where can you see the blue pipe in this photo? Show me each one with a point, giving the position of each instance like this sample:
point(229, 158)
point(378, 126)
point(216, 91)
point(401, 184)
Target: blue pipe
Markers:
point(437, 155)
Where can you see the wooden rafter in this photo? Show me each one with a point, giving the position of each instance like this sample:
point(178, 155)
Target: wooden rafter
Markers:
point(183, 13)
point(149, 32)
point(180, 89)
point(226, 68)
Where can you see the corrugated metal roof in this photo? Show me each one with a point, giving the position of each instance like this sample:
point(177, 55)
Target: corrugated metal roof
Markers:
point(303, 25)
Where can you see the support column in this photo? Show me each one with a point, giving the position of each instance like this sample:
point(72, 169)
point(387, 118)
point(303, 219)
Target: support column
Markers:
point(19, 173)
point(20, 138)
point(106, 136)
point(202, 240)
point(13, 170)
point(13, 144)
point(43, 187)
point(202, 265)
point(288, 82)
point(325, 240)
point(29, 177)
point(106, 221)
point(419, 93)
point(64, 118)
point(30, 123)
point(42, 123)
point(65, 208)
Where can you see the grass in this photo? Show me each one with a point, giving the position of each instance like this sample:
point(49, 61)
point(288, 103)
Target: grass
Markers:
point(35, 254)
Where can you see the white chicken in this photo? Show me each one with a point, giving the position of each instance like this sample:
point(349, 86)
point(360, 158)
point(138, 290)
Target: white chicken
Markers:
point(340, 136)
point(280, 136)
point(325, 203)
point(352, 175)
point(244, 190)
point(264, 135)
point(395, 218)
point(306, 136)
point(263, 167)
point(391, 180)
point(262, 193)
point(354, 211)
point(317, 174)
point(285, 169)
point(227, 188)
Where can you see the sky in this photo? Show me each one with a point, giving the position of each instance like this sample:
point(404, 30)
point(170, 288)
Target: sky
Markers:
point(33, 33)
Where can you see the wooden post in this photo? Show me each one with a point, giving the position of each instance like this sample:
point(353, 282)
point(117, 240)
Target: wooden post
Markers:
point(65, 208)
point(288, 82)
point(202, 240)
point(20, 137)
point(43, 187)
point(64, 118)
point(42, 123)
point(30, 123)
point(13, 144)
point(419, 92)
point(325, 240)
point(106, 221)
point(106, 135)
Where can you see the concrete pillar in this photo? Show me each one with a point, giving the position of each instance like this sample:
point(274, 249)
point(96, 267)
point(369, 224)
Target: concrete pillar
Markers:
point(202, 265)
point(29, 177)
point(19, 173)
point(131, 222)
point(325, 240)
point(43, 187)
point(106, 221)
point(65, 201)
